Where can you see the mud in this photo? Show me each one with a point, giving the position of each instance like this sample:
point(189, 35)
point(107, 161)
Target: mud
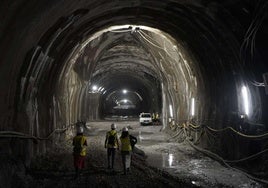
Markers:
point(156, 162)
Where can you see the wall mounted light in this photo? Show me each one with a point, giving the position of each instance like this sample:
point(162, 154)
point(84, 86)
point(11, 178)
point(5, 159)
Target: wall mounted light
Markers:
point(94, 88)
point(170, 111)
point(245, 96)
point(192, 107)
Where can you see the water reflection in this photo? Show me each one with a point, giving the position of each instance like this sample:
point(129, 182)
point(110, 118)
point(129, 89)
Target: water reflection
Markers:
point(168, 160)
point(140, 137)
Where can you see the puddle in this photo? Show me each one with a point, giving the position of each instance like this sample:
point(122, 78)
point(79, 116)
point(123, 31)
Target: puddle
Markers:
point(165, 160)
point(169, 160)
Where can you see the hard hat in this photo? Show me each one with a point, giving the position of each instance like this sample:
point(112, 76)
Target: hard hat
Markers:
point(125, 129)
point(80, 130)
point(113, 126)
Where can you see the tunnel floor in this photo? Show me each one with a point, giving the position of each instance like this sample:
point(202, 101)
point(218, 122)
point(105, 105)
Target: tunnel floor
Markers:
point(158, 161)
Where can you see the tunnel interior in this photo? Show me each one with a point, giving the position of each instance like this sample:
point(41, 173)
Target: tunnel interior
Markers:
point(138, 58)
point(203, 62)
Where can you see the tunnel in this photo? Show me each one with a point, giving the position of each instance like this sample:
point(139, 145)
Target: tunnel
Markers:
point(202, 65)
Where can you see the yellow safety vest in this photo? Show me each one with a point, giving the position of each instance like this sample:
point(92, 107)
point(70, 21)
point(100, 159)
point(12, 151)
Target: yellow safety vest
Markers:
point(79, 142)
point(110, 133)
point(125, 144)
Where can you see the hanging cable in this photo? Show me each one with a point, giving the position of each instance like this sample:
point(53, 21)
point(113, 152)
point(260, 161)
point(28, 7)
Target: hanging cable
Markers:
point(14, 134)
point(246, 158)
point(239, 133)
point(220, 159)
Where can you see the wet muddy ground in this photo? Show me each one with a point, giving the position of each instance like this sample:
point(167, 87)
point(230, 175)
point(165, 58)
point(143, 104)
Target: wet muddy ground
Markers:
point(157, 162)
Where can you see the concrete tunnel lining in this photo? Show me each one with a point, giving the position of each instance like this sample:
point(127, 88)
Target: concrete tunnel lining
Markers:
point(209, 37)
point(163, 61)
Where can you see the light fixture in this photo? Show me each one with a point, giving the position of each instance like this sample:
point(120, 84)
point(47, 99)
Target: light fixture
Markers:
point(170, 111)
point(124, 91)
point(245, 96)
point(94, 88)
point(192, 107)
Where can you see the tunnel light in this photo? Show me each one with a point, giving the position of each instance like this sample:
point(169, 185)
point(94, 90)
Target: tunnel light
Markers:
point(192, 107)
point(170, 111)
point(94, 88)
point(245, 96)
point(124, 91)
point(125, 100)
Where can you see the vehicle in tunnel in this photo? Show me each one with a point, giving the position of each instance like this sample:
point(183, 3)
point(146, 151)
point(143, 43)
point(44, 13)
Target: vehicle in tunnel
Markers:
point(145, 118)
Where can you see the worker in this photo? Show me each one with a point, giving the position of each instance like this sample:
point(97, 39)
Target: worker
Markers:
point(157, 118)
point(111, 143)
point(79, 151)
point(126, 149)
point(153, 117)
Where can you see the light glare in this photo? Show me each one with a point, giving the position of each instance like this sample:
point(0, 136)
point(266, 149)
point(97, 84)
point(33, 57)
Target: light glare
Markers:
point(170, 111)
point(94, 88)
point(245, 99)
point(170, 159)
point(193, 107)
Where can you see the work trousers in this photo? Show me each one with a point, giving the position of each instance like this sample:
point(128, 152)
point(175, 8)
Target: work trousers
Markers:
point(126, 160)
point(111, 155)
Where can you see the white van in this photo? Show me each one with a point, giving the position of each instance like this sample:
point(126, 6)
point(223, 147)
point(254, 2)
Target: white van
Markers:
point(145, 118)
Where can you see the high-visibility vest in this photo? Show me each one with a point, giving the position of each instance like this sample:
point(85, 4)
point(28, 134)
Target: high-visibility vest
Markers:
point(78, 142)
point(125, 144)
point(112, 133)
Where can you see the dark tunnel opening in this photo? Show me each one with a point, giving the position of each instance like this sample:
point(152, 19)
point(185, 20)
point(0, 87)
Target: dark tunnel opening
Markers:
point(126, 96)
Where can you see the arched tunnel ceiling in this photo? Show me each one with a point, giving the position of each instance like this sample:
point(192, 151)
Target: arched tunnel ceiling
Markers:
point(125, 57)
point(136, 57)
point(213, 42)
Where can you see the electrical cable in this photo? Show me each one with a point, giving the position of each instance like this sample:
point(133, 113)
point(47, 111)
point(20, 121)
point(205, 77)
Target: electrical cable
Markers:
point(14, 134)
point(211, 143)
point(141, 32)
point(246, 158)
point(257, 84)
point(239, 133)
point(210, 133)
point(250, 36)
point(149, 40)
point(176, 135)
point(251, 136)
point(194, 126)
point(122, 31)
point(221, 160)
